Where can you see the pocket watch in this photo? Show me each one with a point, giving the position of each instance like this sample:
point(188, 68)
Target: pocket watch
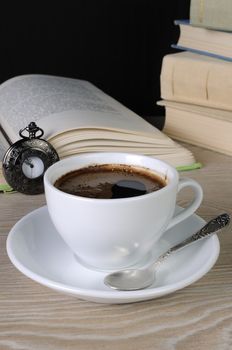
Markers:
point(26, 161)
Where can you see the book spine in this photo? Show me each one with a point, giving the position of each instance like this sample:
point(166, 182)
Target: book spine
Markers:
point(188, 78)
point(212, 14)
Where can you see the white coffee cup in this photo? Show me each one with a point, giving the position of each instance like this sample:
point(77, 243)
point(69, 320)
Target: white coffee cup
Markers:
point(110, 234)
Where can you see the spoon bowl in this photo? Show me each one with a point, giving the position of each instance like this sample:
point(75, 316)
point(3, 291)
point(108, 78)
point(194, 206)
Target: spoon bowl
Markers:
point(135, 279)
point(131, 279)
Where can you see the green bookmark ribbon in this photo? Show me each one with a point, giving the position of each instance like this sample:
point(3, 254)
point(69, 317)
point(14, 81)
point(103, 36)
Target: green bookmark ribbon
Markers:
point(189, 167)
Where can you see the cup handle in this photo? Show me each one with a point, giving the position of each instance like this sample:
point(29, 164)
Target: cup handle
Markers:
point(194, 204)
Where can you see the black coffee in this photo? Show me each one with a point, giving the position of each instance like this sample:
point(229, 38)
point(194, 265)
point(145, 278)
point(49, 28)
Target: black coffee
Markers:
point(109, 181)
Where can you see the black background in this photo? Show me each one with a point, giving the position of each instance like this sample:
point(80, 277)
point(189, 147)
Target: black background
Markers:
point(117, 45)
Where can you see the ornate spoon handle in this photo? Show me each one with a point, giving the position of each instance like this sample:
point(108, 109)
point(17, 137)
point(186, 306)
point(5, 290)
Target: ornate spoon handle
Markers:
point(208, 230)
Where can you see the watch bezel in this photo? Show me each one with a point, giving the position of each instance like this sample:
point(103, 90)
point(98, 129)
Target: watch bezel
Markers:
point(16, 155)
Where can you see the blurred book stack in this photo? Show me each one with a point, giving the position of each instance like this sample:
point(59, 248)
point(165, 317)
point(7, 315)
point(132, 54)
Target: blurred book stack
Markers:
point(196, 83)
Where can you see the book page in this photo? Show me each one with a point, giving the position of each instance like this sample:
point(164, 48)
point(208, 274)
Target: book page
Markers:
point(3, 146)
point(80, 120)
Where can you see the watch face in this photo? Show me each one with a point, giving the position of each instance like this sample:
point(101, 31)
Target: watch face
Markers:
point(33, 167)
point(25, 162)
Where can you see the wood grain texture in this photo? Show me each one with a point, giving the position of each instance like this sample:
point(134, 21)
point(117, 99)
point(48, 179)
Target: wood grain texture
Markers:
point(33, 317)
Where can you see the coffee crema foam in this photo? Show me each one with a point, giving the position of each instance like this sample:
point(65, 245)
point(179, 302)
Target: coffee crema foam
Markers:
point(110, 181)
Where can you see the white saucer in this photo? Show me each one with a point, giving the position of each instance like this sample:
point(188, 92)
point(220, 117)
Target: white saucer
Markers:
point(36, 249)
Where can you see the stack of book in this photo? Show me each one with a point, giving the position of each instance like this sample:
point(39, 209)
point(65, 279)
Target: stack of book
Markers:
point(196, 83)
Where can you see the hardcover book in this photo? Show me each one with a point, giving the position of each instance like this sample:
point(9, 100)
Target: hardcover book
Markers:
point(197, 79)
point(213, 14)
point(202, 126)
point(204, 41)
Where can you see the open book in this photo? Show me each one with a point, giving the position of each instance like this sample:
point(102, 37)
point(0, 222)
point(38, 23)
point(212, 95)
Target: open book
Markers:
point(78, 117)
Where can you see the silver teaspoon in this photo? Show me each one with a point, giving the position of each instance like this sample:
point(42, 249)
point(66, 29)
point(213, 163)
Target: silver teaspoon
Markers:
point(134, 279)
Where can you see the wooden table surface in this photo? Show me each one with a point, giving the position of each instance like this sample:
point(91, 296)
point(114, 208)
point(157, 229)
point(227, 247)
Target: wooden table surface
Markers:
point(197, 317)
